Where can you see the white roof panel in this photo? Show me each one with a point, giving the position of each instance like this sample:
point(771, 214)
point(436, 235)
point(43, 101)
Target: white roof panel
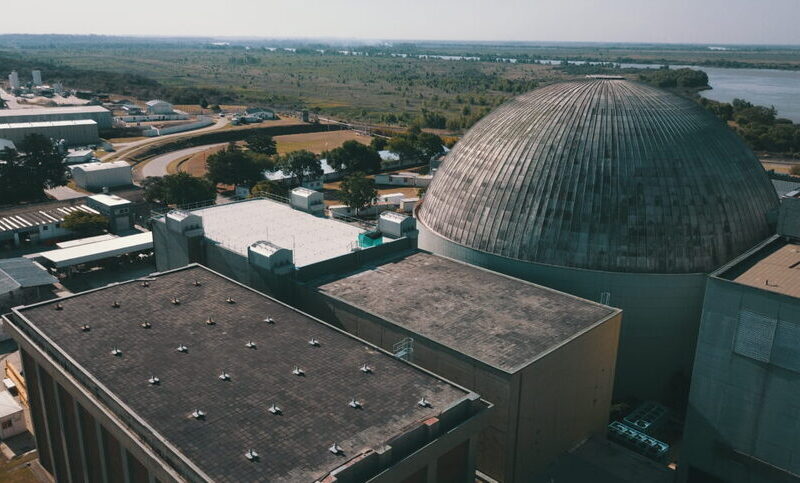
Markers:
point(66, 257)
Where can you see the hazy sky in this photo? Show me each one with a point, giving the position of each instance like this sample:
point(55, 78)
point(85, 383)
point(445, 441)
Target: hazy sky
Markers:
point(678, 21)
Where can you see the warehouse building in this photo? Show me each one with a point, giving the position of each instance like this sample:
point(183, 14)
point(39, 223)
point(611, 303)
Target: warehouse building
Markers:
point(96, 176)
point(38, 222)
point(743, 417)
point(23, 281)
point(611, 190)
point(74, 133)
point(113, 377)
point(157, 106)
point(545, 359)
point(98, 114)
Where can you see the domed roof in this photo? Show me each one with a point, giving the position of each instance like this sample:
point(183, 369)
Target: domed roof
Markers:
point(606, 175)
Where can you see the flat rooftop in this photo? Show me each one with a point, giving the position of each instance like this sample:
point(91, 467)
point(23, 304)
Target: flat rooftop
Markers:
point(99, 250)
point(42, 124)
point(775, 267)
point(312, 238)
point(501, 321)
point(51, 110)
point(292, 446)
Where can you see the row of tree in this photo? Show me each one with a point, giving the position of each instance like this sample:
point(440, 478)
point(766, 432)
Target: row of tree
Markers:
point(25, 172)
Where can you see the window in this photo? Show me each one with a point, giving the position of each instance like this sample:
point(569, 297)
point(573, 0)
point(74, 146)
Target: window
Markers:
point(6, 424)
point(45, 228)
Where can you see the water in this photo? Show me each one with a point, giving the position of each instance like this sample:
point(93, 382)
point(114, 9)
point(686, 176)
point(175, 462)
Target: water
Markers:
point(762, 87)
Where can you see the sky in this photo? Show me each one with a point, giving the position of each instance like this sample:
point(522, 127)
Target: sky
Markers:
point(661, 21)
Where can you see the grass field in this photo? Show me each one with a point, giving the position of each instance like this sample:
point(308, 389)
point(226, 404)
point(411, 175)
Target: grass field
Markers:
point(317, 142)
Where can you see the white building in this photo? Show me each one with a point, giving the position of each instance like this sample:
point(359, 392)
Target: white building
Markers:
point(95, 176)
point(98, 114)
point(404, 179)
point(157, 106)
point(12, 422)
point(37, 77)
point(307, 200)
point(13, 80)
point(79, 156)
point(74, 133)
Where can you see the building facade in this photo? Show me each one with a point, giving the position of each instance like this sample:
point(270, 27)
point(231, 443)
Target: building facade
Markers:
point(98, 114)
point(74, 133)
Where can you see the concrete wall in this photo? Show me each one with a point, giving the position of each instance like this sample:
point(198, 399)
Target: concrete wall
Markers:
point(744, 406)
point(662, 315)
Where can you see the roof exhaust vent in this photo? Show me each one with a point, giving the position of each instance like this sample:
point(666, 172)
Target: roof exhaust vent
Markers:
point(182, 348)
point(251, 455)
point(230, 300)
point(146, 325)
point(424, 403)
point(250, 344)
point(176, 301)
point(366, 369)
point(59, 306)
point(85, 328)
point(298, 372)
point(355, 404)
point(335, 448)
point(269, 320)
point(274, 409)
point(116, 352)
point(115, 304)
point(145, 283)
point(199, 414)
point(224, 376)
point(154, 381)
point(313, 342)
point(196, 283)
point(210, 321)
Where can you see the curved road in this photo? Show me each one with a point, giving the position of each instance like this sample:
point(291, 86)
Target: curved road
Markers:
point(123, 148)
point(157, 166)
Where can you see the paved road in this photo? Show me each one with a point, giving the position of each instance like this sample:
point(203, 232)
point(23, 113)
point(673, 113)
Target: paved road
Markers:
point(123, 148)
point(158, 166)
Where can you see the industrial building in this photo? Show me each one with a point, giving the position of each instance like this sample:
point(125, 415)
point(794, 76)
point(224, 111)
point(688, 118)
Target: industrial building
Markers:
point(23, 281)
point(36, 77)
point(611, 190)
point(74, 133)
point(96, 176)
point(12, 419)
point(98, 114)
point(37, 222)
point(189, 376)
point(742, 422)
point(545, 359)
point(157, 106)
point(115, 208)
point(13, 80)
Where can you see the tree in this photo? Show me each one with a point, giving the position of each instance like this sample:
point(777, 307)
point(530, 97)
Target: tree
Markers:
point(34, 166)
point(233, 166)
point(85, 224)
point(300, 165)
point(262, 145)
point(353, 156)
point(429, 145)
point(404, 147)
point(358, 191)
point(268, 187)
point(378, 143)
point(178, 189)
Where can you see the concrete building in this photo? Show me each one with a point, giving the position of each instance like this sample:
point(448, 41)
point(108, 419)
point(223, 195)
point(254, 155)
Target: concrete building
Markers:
point(261, 113)
point(307, 200)
point(96, 176)
point(544, 359)
point(404, 179)
point(79, 156)
point(98, 114)
point(12, 419)
point(123, 386)
point(38, 222)
point(36, 77)
point(22, 282)
point(116, 209)
point(743, 417)
point(13, 80)
point(74, 133)
point(611, 190)
point(157, 106)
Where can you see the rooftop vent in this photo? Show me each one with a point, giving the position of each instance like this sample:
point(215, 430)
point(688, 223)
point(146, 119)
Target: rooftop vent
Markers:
point(198, 414)
point(230, 300)
point(146, 325)
point(366, 369)
point(313, 342)
point(274, 409)
point(210, 321)
point(298, 372)
point(355, 403)
point(224, 376)
point(182, 348)
point(145, 283)
point(250, 344)
point(269, 320)
point(196, 283)
point(154, 381)
point(335, 448)
point(86, 328)
point(115, 304)
point(116, 352)
point(251, 455)
point(424, 403)
point(59, 306)
point(176, 301)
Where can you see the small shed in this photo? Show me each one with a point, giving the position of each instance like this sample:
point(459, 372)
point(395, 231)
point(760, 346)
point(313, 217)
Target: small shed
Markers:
point(12, 422)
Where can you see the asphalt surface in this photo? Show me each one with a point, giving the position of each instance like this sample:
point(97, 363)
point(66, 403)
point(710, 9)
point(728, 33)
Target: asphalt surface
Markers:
point(158, 166)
